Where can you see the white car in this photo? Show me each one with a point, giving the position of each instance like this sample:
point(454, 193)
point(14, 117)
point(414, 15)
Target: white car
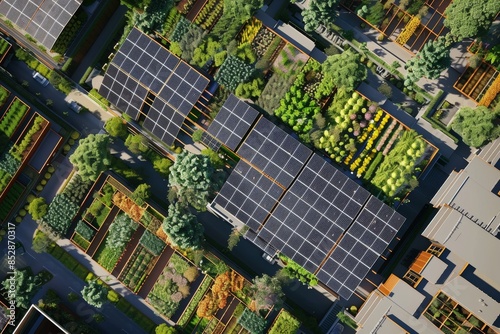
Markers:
point(40, 79)
point(268, 258)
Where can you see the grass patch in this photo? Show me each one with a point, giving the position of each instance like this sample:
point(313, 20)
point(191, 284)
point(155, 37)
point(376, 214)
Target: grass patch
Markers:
point(107, 257)
point(80, 241)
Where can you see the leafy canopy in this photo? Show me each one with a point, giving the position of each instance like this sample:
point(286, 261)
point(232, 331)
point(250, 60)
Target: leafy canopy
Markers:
point(477, 126)
point(241, 10)
point(91, 157)
point(191, 177)
point(116, 127)
point(182, 227)
point(141, 194)
point(466, 18)
point(26, 285)
point(267, 292)
point(95, 294)
point(429, 62)
point(319, 12)
point(38, 208)
point(344, 70)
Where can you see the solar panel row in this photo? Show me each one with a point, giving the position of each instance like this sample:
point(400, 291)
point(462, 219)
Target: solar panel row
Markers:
point(44, 20)
point(141, 68)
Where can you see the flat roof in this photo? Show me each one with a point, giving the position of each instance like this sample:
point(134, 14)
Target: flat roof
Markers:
point(472, 192)
point(434, 269)
point(473, 299)
point(468, 240)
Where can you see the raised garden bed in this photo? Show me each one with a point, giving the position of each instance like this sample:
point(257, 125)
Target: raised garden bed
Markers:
point(137, 268)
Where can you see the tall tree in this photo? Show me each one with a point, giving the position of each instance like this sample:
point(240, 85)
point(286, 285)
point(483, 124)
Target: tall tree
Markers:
point(470, 18)
point(429, 62)
point(95, 294)
point(477, 126)
point(38, 208)
point(165, 329)
point(319, 12)
point(26, 285)
point(267, 292)
point(241, 10)
point(91, 157)
point(155, 15)
point(116, 127)
point(182, 227)
point(191, 177)
point(344, 71)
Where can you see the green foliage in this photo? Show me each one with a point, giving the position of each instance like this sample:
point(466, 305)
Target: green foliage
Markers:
point(429, 62)
point(215, 159)
point(477, 126)
point(84, 230)
point(467, 18)
point(244, 52)
point(190, 40)
point(26, 286)
point(376, 13)
point(136, 143)
point(373, 166)
point(95, 294)
point(395, 174)
point(206, 51)
point(285, 324)
point(162, 166)
point(342, 71)
point(18, 150)
point(152, 243)
point(38, 208)
point(297, 109)
point(141, 194)
point(116, 127)
point(295, 271)
point(59, 215)
point(197, 134)
point(41, 242)
point(180, 30)
point(4, 46)
point(319, 12)
point(192, 178)
point(346, 320)
point(241, 10)
point(233, 72)
point(154, 17)
point(94, 95)
point(252, 89)
point(91, 157)
point(188, 312)
point(69, 32)
point(172, 18)
point(267, 292)
point(164, 329)
point(77, 188)
point(120, 231)
point(9, 163)
point(182, 228)
point(13, 117)
point(4, 94)
point(252, 322)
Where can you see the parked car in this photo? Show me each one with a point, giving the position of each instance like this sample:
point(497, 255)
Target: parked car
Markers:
point(74, 106)
point(40, 79)
point(268, 258)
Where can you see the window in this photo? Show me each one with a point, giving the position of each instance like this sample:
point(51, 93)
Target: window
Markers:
point(435, 249)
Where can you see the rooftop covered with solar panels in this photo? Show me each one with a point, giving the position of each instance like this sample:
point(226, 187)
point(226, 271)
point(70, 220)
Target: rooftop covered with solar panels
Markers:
point(297, 203)
point(149, 83)
point(44, 20)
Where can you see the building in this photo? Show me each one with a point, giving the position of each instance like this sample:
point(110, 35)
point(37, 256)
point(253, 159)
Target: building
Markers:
point(452, 286)
point(36, 321)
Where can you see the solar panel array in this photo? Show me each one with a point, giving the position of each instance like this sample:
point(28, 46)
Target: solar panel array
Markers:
point(210, 141)
point(143, 70)
point(232, 122)
point(44, 20)
point(359, 249)
point(248, 195)
point(274, 152)
point(314, 213)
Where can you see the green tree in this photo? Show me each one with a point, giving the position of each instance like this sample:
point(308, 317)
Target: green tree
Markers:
point(154, 16)
point(215, 159)
point(164, 329)
point(267, 292)
point(429, 62)
point(191, 178)
point(26, 285)
point(116, 127)
point(38, 208)
point(344, 71)
point(91, 157)
point(197, 134)
point(319, 12)
point(241, 10)
point(141, 194)
point(162, 166)
point(136, 143)
point(95, 294)
point(182, 227)
point(477, 126)
point(468, 19)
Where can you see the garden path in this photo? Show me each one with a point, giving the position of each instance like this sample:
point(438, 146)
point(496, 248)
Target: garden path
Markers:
point(156, 272)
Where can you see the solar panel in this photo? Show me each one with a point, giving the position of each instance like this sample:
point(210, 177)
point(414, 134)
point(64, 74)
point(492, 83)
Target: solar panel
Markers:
point(123, 91)
point(274, 152)
point(210, 141)
point(183, 88)
point(248, 195)
point(232, 122)
point(163, 121)
point(44, 20)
